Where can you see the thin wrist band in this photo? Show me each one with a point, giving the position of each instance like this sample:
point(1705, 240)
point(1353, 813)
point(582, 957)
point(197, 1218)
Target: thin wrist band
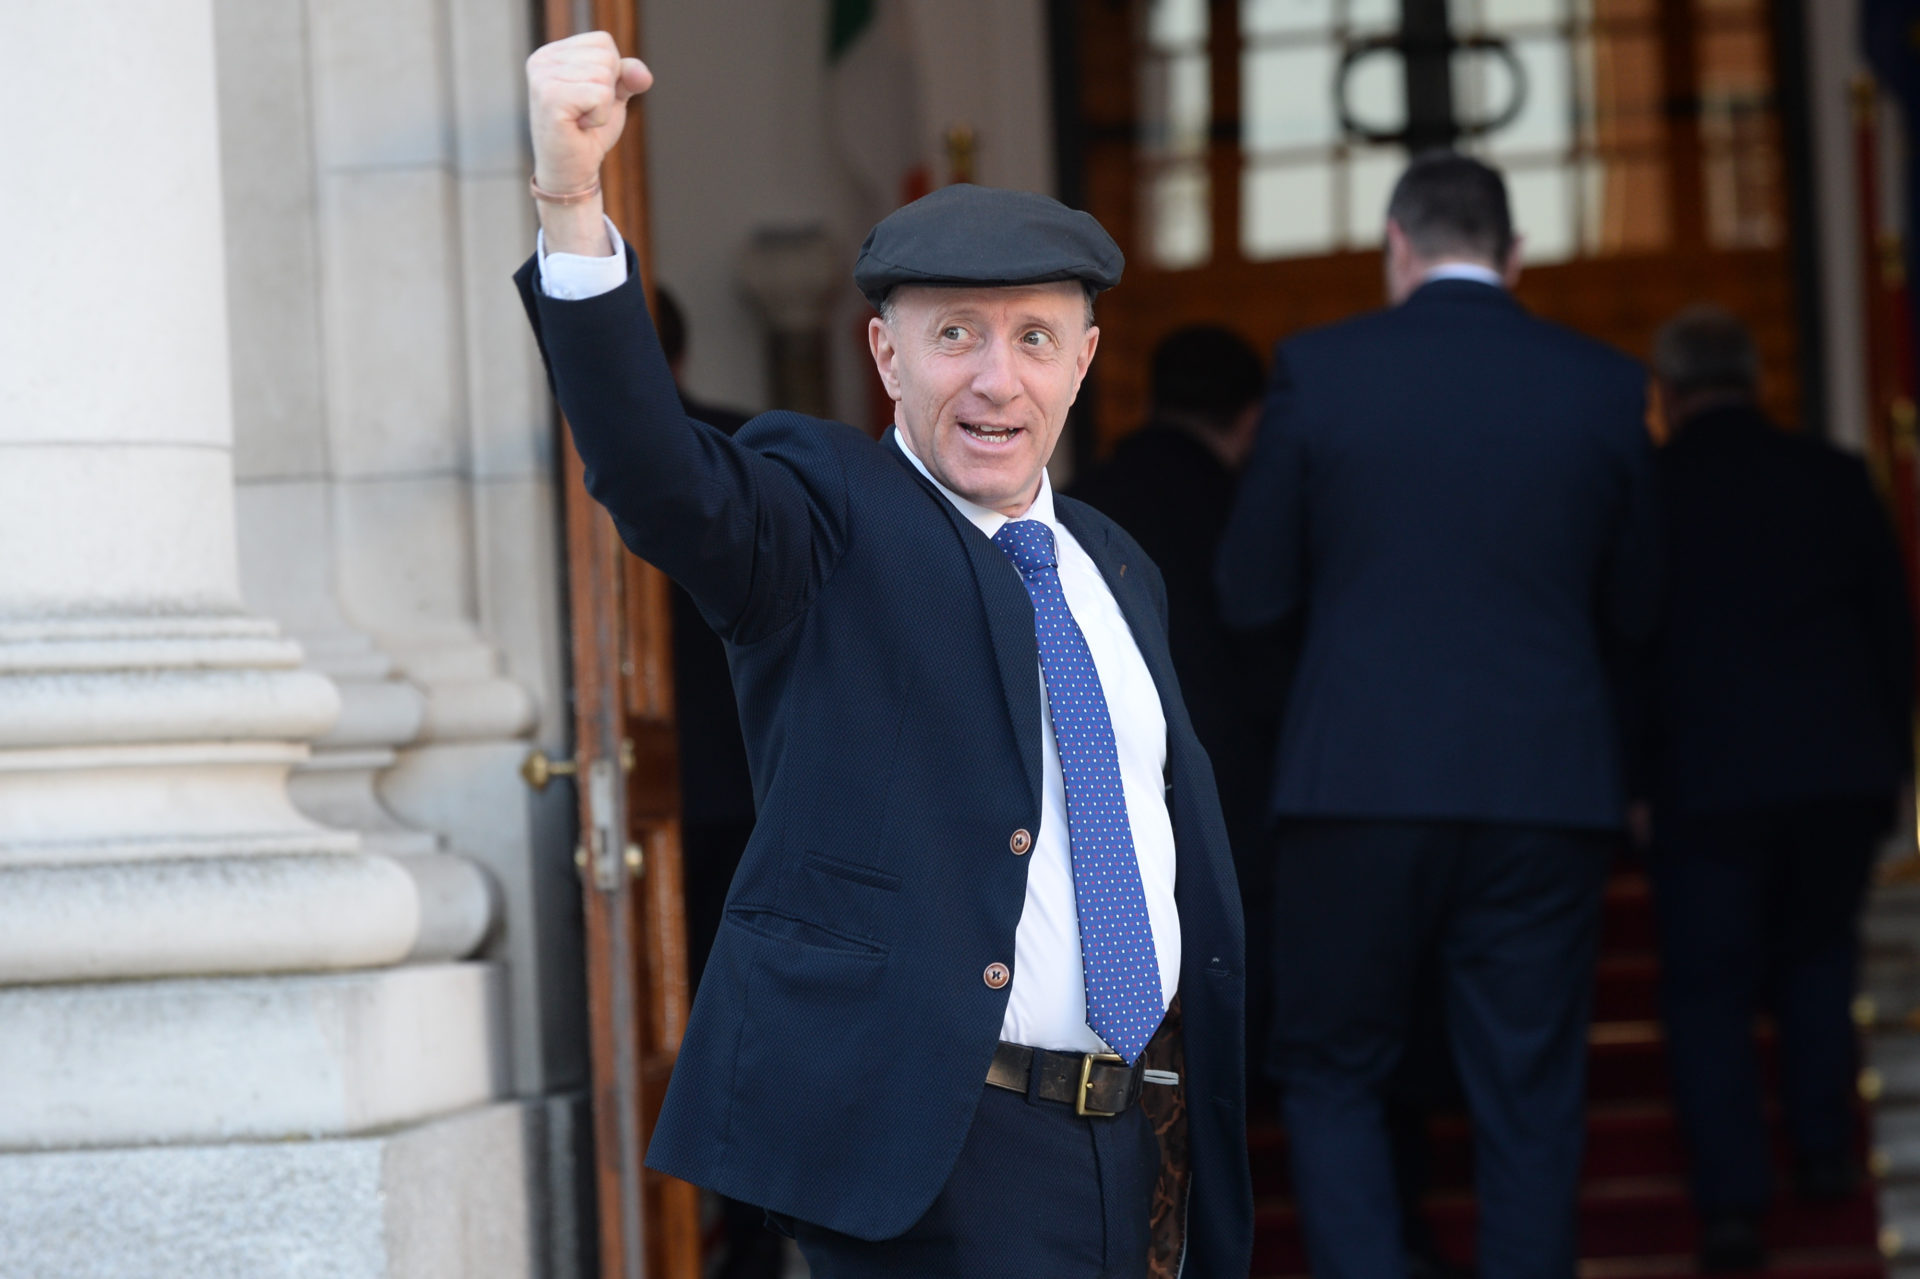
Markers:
point(569, 197)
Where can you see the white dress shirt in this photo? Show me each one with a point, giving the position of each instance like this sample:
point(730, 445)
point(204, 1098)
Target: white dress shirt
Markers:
point(1047, 999)
point(1048, 1003)
point(1445, 271)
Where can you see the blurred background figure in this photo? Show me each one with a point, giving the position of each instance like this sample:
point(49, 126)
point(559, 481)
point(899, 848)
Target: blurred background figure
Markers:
point(716, 794)
point(1778, 739)
point(1170, 484)
point(1455, 500)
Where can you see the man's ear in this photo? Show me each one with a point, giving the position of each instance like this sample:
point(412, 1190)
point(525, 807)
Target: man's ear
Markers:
point(1089, 344)
point(1516, 256)
point(885, 353)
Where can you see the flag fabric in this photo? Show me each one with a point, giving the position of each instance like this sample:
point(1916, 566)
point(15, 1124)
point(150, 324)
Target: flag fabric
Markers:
point(873, 98)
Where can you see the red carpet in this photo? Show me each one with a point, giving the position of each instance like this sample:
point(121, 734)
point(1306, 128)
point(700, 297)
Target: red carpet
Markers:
point(1635, 1218)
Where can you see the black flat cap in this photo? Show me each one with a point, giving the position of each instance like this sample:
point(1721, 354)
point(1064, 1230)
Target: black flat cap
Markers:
point(972, 235)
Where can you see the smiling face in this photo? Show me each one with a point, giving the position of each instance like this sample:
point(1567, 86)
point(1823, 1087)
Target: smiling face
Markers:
point(981, 381)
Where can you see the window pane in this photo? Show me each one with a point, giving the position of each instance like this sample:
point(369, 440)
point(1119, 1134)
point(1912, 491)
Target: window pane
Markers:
point(1543, 213)
point(1176, 100)
point(1172, 24)
point(1287, 210)
point(1178, 203)
point(1496, 15)
point(1629, 90)
point(1377, 93)
point(1287, 97)
point(1545, 123)
point(1737, 135)
point(1371, 173)
point(1734, 62)
point(1276, 17)
point(1623, 10)
point(1625, 202)
point(1371, 16)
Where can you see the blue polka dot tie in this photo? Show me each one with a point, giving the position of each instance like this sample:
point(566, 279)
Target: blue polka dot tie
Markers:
point(1116, 937)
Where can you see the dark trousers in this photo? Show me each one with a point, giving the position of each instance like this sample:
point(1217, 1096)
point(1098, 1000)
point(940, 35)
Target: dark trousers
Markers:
point(1760, 910)
point(1037, 1191)
point(1510, 917)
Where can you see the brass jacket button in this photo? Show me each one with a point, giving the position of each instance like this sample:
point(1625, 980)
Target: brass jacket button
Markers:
point(1020, 842)
point(996, 976)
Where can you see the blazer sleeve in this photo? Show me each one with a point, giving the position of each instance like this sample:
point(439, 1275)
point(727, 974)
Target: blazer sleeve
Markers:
point(751, 526)
point(1260, 572)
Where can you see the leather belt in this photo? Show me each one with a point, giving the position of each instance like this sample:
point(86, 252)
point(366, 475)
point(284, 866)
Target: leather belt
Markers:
point(1094, 1084)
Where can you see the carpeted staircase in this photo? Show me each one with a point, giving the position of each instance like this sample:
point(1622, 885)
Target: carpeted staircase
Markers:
point(1635, 1218)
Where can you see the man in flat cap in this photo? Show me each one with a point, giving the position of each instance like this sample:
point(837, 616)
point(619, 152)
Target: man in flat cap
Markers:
point(975, 1008)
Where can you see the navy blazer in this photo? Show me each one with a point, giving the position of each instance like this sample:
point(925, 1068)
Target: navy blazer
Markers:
point(1783, 669)
point(1455, 500)
point(884, 657)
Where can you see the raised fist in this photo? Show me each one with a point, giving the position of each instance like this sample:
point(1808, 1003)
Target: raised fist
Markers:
point(577, 91)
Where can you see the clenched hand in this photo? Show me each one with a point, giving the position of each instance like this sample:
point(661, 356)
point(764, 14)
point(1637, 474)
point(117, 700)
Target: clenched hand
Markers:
point(577, 92)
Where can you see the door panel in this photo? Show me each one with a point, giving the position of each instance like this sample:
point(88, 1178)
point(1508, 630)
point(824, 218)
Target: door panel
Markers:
point(628, 780)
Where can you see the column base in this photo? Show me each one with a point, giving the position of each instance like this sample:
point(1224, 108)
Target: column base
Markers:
point(246, 1058)
point(488, 1193)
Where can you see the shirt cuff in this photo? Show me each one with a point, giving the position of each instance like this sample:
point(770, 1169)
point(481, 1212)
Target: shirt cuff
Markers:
point(575, 277)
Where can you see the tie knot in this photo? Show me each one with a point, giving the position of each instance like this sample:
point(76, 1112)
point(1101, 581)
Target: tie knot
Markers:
point(1028, 543)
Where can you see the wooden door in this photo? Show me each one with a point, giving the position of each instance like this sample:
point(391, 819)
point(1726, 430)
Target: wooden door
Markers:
point(627, 772)
point(1242, 152)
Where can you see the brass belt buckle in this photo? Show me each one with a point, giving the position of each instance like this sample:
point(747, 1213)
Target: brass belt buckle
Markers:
point(1086, 1078)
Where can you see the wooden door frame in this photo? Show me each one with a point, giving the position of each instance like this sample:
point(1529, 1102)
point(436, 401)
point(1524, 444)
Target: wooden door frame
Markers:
point(626, 763)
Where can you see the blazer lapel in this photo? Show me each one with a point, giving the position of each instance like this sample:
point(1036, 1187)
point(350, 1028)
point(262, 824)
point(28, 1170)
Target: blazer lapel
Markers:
point(1149, 635)
point(1009, 623)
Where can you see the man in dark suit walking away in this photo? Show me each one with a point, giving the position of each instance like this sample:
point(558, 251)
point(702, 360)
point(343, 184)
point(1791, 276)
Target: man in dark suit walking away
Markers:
point(1170, 484)
point(1455, 500)
point(957, 1021)
point(1779, 735)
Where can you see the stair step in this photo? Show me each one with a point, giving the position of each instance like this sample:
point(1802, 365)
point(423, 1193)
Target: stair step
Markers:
point(1626, 920)
point(1636, 1219)
point(1627, 987)
point(1821, 1263)
point(1620, 1217)
point(1623, 1139)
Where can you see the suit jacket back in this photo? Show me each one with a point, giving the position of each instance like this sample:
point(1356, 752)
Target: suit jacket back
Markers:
point(1455, 499)
point(1784, 665)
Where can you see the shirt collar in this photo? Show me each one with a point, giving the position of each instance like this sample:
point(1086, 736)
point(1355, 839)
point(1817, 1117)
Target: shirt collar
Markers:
point(986, 520)
point(1465, 271)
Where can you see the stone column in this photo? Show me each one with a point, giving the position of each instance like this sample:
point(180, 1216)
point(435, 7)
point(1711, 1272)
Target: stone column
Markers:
point(187, 963)
point(284, 493)
point(146, 722)
point(438, 443)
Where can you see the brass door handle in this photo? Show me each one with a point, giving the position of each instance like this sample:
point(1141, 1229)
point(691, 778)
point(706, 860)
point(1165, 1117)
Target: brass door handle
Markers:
point(538, 769)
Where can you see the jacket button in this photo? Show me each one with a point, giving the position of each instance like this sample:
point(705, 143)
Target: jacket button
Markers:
point(996, 976)
point(1020, 842)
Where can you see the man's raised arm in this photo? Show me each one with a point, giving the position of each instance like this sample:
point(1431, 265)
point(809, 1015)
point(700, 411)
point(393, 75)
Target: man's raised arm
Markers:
point(746, 531)
point(577, 93)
